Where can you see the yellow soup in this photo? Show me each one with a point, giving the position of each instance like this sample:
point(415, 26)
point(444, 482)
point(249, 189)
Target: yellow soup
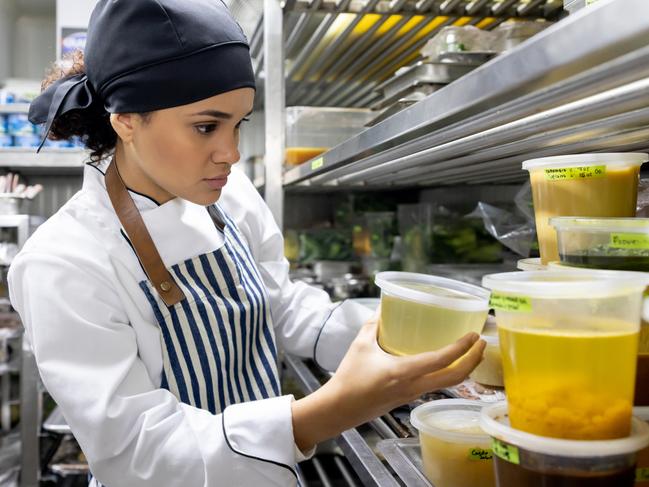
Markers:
point(571, 385)
point(297, 155)
point(613, 194)
point(455, 464)
point(408, 327)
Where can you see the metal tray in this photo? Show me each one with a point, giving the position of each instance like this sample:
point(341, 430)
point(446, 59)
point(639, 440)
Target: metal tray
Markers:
point(424, 73)
point(404, 456)
point(417, 91)
point(396, 107)
point(471, 58)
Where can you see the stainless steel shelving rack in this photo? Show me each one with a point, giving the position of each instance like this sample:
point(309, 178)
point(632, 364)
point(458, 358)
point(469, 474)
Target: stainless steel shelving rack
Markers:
point(346, 70)
point(579, 86)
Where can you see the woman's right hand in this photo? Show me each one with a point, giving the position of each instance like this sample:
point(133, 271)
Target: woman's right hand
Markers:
point(370, 382)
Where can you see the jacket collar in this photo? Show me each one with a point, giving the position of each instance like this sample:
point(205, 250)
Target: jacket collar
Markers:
point(180, 229)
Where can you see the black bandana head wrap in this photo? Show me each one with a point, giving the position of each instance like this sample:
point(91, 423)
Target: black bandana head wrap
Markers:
point(146, 55)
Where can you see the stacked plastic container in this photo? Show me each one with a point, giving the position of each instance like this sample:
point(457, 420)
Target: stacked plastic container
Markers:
point(17, 131)
point(310, 131)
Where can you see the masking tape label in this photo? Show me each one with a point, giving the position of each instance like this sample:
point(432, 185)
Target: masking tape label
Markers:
point(480, 454)
point(629, 241)
point(317, 163)
point(509, 453)
point(506, 302)
point(571, 173)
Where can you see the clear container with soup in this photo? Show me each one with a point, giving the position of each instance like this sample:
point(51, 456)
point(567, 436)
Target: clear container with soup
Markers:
point(310, 131)
point(603, 243)
point(455, 451)
point(490, 371)
point(525, 460)
point(420, 312)
point(591, 185)
point(569, 344)
point(642, 369)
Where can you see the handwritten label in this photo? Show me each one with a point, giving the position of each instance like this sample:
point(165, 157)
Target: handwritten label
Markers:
point(317, 163)
point(509, 453)
point(641, 474)
point(571, 173)
point(629, 241)
point(480, 454)
point(506, 302)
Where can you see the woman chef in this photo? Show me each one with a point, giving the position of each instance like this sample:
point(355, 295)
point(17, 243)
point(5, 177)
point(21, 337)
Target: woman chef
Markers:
point(156, 298)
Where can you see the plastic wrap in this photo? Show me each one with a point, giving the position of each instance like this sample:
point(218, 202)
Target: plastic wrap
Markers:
point(514, 229)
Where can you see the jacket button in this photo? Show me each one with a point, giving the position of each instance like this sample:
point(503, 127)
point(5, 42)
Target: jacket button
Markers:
point(165, 286)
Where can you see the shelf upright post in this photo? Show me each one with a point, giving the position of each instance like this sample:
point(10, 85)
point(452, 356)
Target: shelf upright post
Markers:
point(274, 107)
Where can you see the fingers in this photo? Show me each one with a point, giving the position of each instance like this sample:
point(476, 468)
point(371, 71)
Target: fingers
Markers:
point(428, 362)
point(454, 374)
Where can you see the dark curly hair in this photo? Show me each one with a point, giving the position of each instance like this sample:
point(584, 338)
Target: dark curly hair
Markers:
point(91, 125)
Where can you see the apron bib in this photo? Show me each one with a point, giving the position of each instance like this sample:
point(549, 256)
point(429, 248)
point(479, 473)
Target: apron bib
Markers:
point(218, 343)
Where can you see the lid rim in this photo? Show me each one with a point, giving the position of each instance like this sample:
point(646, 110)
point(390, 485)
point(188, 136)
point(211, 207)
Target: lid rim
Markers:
point(561, 447)
point(455, 436)
point(481, 302)
point(575, 160)
point(601, 225)
point(549, 286)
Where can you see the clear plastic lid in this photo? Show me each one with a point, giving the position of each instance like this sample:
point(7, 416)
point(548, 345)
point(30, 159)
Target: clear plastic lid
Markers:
point(642, 412)
point(441, 291)
point(625, 225)
point(491, 340)
point(453, 420)
point(567, 284)
point(623, 159)
point(495, 421)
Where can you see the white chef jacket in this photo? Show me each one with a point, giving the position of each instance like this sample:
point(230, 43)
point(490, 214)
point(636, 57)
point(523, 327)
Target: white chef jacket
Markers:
point(98, 346)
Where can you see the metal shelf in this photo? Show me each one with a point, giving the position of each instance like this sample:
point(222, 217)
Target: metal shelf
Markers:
point(360, 455)
point(338, 53)
point(14, 108)
point(579, 86)
point(48, 158)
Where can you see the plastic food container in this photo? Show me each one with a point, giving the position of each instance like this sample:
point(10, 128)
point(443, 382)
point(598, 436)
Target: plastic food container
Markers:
point(522, 459)
point(373, 233)
point(569, 343)
point(533, 264)
point(490, 371)
point(642, 466)
point(603, 243)
point(420, 313)
point(591, 185)
point(454, 449)
point(642, 368)
point(6, 140)
point(310, 131)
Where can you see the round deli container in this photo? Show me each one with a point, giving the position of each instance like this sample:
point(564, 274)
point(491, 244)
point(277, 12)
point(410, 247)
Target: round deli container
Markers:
point(455, 451)
point(590, 185)
point(569, 344)
point(420, 312)
point(523, 459)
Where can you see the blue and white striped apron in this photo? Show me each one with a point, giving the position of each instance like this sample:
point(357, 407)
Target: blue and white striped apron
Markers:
point(218, 344)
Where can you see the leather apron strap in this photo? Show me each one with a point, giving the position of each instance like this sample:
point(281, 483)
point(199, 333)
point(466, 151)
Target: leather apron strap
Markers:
point(135, 228)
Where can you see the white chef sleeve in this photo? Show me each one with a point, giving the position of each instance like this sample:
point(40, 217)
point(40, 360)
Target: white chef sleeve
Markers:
point(132, 432)
point(307, 323)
